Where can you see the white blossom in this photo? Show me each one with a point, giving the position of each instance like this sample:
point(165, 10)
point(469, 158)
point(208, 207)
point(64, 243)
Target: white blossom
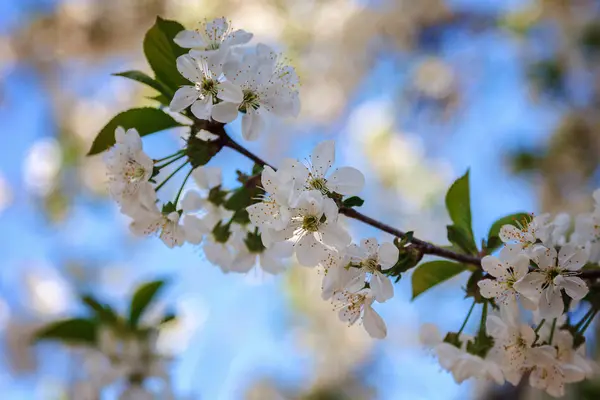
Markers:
point(544, 285)
point(525, 235)
point(212, 41)
point(354, 306)
point(129, 168)
point(345, 180)
point(461, 364)
point(369, 259)
point(209, 85)
point(505, 273)
point(313, 228)
point(270, 260)
point(148, 220)
point(267, 86)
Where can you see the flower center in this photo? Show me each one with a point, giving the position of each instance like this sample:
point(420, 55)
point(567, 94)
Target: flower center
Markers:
point(310, 223)
point(250, 100)
point(134, 172)
point(319, 184)
point(213, 46)
point(208, 87)
point(370, 265)
point(551, 274)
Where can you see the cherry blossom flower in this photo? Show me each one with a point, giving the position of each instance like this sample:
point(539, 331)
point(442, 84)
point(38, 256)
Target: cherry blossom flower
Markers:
point(354, 306)
point(554, 273)
point(270, 260)
point(267, 87)
point(345, 180)
point(506, 274)
point(212, 41)
point(129, 168)
point(313, 228)
point(527, 233)
point(514, 342)
point(209, 85)
point(461, 364)
point(370, 259)
point(148, 220)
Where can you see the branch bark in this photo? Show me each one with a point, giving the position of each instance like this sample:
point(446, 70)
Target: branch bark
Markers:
point(424, 246)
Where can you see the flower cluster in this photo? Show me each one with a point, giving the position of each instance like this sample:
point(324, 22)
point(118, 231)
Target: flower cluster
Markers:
point(537, 269)
point(300, 211)
point(225, 81)
point(131, 359)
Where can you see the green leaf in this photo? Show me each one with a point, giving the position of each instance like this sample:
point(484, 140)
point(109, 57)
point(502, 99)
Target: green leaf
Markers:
point(146, 120)
point(433, 273)
point(162, 52)
point(102, 311)
point(460, 238)
point(76, 330)
point(143, 296)
point(493, 240)
point(353, 201)
point(139, 76)
point(458, 203)
point(242, 198)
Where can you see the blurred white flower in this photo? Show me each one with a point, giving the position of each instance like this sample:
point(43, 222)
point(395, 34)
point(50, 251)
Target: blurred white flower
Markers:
point(42, 165)
point(49, 294)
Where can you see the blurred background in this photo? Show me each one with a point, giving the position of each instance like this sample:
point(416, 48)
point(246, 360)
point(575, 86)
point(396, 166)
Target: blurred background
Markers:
point(414, 92)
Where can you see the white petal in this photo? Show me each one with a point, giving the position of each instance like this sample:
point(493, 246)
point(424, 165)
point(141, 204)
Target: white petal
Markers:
point(373, 323)
point(369, 247)
point(575, 287)
point(357, 283)
point(551, 304)
point(230, 92)
point(189, 68)
point(347, 181)
point(237, 37)
point(572, 257)
point(252, 125)
point(194, 229)
point(495, 326)
point(309, 251)
point(493, 266)
point(572, 373)
point(510, 251)
point(224, 112)
point(382, 287)
point(388, 255)
point(323, 157)
point(183, 98)
point(429, 335)
point(202, 109)
point(489, 288)
point(243, 262)
point(192, 201)
point(189, 39)
point(270, 264)
point(520, 266)
point(120, 134)
point(510, 233)
point(335, 235)
point(530, 286)
point(544, 257)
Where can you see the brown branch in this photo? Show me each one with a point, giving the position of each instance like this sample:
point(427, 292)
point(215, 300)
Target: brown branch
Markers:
point(424, 246)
